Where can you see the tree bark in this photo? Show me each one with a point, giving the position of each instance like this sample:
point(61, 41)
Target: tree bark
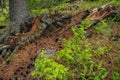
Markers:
point(18, 13)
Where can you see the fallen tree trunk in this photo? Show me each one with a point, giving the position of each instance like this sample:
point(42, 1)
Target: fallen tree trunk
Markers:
point(99, 14)
point(39, 24)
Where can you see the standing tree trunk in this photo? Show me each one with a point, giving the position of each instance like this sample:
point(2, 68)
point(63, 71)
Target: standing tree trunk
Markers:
point(18, 13)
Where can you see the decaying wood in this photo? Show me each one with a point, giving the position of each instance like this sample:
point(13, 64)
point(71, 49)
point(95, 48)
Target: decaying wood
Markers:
point(13, 40)
point(99, 14)
point(5, 51)
point(39, 24)
point(23, 39)
point(75, 20)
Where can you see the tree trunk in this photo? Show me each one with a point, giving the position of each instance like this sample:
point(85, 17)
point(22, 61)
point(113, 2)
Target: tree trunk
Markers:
point(18, 13)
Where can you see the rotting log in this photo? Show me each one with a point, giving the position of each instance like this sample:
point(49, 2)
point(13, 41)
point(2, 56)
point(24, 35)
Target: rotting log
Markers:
point(23, 39)
point(99, 14)
point(94, 17)
point(76, 19)
point(39, 25)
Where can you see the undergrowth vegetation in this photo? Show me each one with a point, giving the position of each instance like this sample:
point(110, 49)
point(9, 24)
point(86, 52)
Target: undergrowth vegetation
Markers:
point(47, 69)
point(75, 58)
point(4, 13)
point(115, 75)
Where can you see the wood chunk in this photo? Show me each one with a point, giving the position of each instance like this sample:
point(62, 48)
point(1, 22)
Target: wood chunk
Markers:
point(100, 13)
point(35, 24)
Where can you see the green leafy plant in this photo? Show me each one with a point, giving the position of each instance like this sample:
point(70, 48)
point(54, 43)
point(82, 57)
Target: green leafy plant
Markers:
point(74, 61)
point(78, 54)
point(4, 13)
point(75, 50)
point(93, 72)
point(47, 69)
point(43, 6)
point(100, 50)
point(51, 3)
point(102, 27)
point(115, 75)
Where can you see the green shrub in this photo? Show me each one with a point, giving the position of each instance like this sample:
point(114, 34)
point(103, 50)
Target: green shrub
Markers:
point(103, 28)
point(36, 6)
point(47, 69)
point(51, 3)
point(4, 13)
point(74, 61)
point(93, 72)
point(76, 50)
point(77, 56)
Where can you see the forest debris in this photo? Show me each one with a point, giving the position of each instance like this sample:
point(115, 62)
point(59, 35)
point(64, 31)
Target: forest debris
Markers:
point(23, 39)
point(4, 47)
point(58, 21)
point(27, 50)
point(36, 31)
point(39, 24)
point(5, 51)
point(100, 13)
point(15, 42)
point(76, 19)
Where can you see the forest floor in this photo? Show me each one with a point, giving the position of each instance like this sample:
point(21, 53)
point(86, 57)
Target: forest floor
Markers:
point(51, 40)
